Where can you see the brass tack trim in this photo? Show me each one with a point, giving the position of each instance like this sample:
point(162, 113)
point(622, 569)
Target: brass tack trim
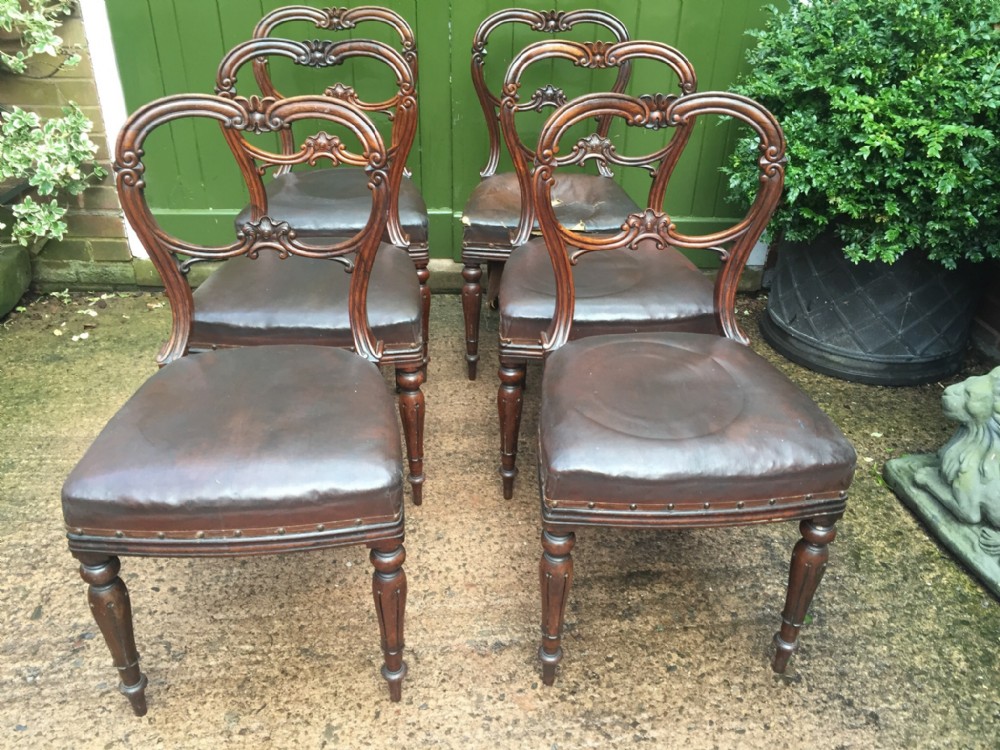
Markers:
point(591, 505)
point(320, 527)
point(238, 532)
point(119, 534)
point(633, 506)
point(772, 501)
point(281, 530)
point(707, 506)
point(200, 535)
point(161, 535)
point(78, 530)
point(670, 506)
point(740, 504)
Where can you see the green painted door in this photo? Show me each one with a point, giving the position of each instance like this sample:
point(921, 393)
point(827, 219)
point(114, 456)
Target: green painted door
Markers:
point(174, 46)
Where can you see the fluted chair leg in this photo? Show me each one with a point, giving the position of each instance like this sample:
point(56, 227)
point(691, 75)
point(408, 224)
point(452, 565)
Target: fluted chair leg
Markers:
point(411, 413)
point(389, 591)
point(109, 602)
point(809, 560)
point(510, 400)
point(556, 574)
point(472, 301)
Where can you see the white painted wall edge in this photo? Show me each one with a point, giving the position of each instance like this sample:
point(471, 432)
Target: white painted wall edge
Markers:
point(109, 88)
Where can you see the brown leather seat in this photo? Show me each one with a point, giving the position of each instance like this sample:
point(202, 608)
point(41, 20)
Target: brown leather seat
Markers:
point(635, 420)
point(272, 300)
point(337, 201)
point(663, 429)
point(589, 202)
point(643, 290)
point(243, 443)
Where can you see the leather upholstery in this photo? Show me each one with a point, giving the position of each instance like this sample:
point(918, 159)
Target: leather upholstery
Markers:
point(583, 201)
point(336, 201)
point(303, 300)
point(660, 417)
point(245, 439)
point(616, 292)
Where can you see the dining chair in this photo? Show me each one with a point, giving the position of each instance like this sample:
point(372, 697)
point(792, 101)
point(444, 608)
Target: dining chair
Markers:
point(497, 215)
point(265, 301)
point(326, 202)
point(651, 289)
point(673, 430)
point(250, 450)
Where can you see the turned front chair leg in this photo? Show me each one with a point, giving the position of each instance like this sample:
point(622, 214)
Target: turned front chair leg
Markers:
point(109, 603)
point(411, 413)
point(556, 573)
point(472, 300)
point(809, 560)
point(389, 591)
point(510, 397)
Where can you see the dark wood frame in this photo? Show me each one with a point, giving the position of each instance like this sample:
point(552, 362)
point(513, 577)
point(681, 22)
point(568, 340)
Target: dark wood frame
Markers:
point(495, 255)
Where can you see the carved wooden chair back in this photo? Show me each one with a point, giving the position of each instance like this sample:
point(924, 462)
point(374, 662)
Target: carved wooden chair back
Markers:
point(333, 19)
point(584, 55)
point(401, 108)
point(732, 245)
point(237, 116)
point(544, 22)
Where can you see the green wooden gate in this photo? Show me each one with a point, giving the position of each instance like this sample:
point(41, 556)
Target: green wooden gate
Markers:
point(174, 46)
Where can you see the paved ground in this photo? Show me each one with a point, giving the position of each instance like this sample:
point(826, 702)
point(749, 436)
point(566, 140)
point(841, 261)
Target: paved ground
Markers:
point(667, 632)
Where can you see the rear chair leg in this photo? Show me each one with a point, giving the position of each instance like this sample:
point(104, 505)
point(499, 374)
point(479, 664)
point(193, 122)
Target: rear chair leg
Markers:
point(109, 602)
point(389, 591)
point(472, 301)
point(411, 412)
point(556, 574)
point(809, 560)
point(510, 399)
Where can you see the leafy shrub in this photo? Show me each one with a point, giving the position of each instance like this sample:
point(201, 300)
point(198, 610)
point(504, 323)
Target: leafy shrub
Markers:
point(54, 155)
point(891, 110)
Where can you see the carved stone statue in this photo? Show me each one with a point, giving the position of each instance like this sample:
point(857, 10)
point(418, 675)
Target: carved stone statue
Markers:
point(957, 490)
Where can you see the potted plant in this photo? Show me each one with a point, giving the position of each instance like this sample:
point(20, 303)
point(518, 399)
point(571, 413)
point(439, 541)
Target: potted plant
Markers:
point(39, 158)
point(892, 115)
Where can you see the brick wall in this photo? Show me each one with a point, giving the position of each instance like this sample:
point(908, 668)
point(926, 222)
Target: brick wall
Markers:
point(94, 253)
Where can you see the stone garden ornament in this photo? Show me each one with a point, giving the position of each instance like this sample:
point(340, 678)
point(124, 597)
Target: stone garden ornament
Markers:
point(956, 491)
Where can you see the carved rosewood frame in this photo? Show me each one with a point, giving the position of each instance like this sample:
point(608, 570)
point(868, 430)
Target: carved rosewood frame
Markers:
point(566, 246)
point(236, 116)
point(401, 108)
point(597, 55)
point(547, 22)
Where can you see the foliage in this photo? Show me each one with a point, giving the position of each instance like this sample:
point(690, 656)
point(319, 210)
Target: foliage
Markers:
point(54, 155)
point(36, 22)
point(892, 115)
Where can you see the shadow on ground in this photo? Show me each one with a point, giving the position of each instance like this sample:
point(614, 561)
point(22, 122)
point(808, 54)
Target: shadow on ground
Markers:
point(667, 632)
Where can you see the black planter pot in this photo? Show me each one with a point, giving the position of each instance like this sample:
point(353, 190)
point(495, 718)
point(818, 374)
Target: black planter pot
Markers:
point(903, 323)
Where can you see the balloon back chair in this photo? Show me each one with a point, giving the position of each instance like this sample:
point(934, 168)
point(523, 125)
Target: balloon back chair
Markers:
point(673, 429)
point(304, 300)
point(497, 216)
point(250, 450)
point(325, 202)
point(651, 289)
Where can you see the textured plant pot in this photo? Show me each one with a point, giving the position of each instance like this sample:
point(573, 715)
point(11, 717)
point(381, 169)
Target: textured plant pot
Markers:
point(903, 323)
